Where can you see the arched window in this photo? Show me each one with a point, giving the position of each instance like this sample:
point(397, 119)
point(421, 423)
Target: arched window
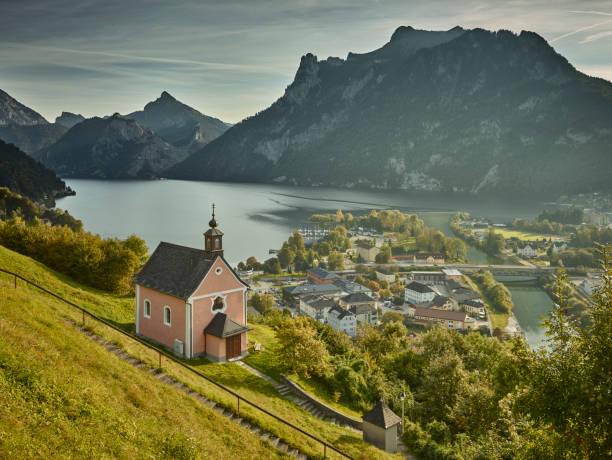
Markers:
point(147, 308)
point(167, 316)
point(217, 243)
point(218, 304)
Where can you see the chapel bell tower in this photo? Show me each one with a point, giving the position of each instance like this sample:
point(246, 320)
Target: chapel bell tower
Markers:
point(213, 239)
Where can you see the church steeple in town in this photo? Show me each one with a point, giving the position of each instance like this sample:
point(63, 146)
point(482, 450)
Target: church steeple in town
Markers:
point(213, 238)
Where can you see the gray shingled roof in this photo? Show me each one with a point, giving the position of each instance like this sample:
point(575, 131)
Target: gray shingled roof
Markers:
point(223, 326)
point(381, 415)
point(323, 274)
point(175, 270)
point(357, 297)
point(440, 314)
point(419, 287)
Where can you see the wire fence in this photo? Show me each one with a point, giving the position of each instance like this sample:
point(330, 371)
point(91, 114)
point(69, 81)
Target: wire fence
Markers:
point(163, 353)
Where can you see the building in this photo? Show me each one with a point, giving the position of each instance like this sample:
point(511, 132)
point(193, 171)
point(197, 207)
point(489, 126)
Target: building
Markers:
point(321, 276)
point(423, 258)
point(380, 427)
point(316, 306)
point(559, 246)
point(191, 301)
point(474, 308)
point(365, 313)
point(462, 294)
point(366, 251)
point(342, 320)
point(527, 251)
point(453, 274)
point(384, 275)
point(451, 319)
point(358, 298)
point(417, 292)
point(351, 287)
point(329, 289)
point(432, 277)
point(441, 302)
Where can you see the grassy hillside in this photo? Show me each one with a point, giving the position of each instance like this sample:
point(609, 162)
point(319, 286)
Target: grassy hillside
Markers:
point(62, 395)
point(119, 310)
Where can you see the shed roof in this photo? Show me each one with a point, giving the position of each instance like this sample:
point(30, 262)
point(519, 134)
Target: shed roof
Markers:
point(381, 415)
point(440, 314)
point(419, 287)
point(357, 297)
point(323, 274)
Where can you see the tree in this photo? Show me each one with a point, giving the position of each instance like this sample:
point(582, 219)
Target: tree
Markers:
point(273, 266)
point(384, 256)
point(296, 242)
point(285, 256)
point(335, 261)
point(300, 349)
point(262, 302)
point(339, 216)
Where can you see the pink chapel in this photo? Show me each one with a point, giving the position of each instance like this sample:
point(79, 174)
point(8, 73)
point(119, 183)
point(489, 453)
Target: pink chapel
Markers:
point(191, 300)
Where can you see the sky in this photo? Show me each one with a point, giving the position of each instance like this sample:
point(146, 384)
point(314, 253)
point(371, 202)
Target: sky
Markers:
point(231, 59)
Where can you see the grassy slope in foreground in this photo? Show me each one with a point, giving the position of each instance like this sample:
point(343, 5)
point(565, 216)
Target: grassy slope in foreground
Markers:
point(63, 395)
point(120, 311)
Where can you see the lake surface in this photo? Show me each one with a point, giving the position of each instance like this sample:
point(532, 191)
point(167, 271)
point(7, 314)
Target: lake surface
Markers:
point(531, 305)
point(256, 217)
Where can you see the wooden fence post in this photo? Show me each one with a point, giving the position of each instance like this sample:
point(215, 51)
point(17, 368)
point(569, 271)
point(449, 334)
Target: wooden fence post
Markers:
point(15, 281)
point(159, 359)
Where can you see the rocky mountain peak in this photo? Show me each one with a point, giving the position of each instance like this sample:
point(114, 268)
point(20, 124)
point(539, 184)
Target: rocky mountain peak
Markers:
point(13, 112)
point(69, 119)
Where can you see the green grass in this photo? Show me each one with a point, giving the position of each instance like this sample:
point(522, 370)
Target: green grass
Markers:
point(120, 310)
point(499, 320)
point(64, 396)
point(527, 236)
point(267, 362)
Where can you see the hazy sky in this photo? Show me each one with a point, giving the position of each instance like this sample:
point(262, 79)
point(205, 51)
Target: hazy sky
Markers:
point(231, 59)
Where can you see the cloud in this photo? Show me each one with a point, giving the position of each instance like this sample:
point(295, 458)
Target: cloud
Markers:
point(582, 29)
point(598, 13)
point(597, 36)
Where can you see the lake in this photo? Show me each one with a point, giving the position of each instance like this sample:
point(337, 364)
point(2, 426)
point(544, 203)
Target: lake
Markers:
point(258, 217)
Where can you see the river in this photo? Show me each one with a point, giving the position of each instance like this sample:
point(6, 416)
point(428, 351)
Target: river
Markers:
point(258, 217)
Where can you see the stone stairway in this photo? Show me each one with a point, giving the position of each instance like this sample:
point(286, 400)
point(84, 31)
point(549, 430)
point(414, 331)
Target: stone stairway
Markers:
point(163, 377)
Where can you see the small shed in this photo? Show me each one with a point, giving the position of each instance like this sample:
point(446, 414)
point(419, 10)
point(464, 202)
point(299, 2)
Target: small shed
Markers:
point(380, 427)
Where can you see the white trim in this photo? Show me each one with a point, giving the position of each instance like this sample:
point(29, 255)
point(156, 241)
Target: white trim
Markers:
point(137, 308)
point(242, 283)
point(188, 328)
point(220, 293)
point(212, 304)
point(144, 310)
point(218, 271)
point(166, 307)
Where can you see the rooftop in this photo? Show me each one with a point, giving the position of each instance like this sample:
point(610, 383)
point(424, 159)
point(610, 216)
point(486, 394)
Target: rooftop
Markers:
point(175, 270)
point(357, 297)
point(311, 288)
point(440, 314)
point(223, 326)
point(323, 274)
point(381, 415)
point(419, 287)
point(452, 272)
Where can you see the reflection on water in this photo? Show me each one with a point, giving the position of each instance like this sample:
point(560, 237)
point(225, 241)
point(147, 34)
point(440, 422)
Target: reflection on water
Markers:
point(531, 304)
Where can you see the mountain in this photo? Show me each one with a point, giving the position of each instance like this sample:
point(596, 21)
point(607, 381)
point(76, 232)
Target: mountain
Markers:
point(68, 120)
point(111, 148)
point(24, 127)
point(460, 110)
point(179, 124)
point(24, 175)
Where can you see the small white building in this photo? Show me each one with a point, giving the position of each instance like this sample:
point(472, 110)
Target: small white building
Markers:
point(417, 292)
point(342, 320)
point(380, 427)
point(527, 251)
point(559, 246)
point(366, 251)
point(317, 307)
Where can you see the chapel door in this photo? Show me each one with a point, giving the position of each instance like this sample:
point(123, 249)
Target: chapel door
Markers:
point(233, 346)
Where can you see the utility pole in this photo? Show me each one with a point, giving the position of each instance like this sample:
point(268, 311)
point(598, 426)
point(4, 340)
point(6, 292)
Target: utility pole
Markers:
point(403, 397)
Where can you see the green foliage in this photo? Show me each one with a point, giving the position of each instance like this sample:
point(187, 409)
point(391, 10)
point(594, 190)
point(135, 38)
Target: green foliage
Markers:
point(24, 175)
point(261, 302)
point(564, 216)
point(107, 264)
point(497, 295)
point(542, 226)
point(588, 236)
point(14, 204)
point(335, 261)
point(384, 256)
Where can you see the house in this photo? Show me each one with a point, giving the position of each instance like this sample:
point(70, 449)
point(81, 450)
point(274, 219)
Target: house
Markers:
point(316, 306)
point(365, 313)
point(366, 251)
point(385, 275)
point(191, 301)
point(432, 277)
point(451, 319)
point(351, 287)
point(527, 251)
point(429, 258)
point(357, 298)
point(417, 292)
point(342, 320)
point(559, 246)
point(453, 274)
point(441, 302)
point(461, 294)
point(380, 427)
point(321, 276)
point(474, 308)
